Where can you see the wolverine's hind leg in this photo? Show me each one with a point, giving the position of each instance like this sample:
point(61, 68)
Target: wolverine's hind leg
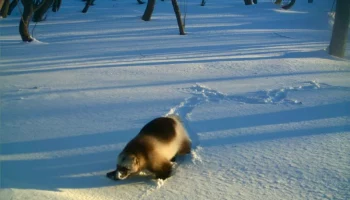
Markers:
point(162, 170)
point(185, 147)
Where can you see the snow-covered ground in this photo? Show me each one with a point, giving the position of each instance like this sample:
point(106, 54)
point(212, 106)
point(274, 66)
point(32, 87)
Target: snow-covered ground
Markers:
point(267, 108)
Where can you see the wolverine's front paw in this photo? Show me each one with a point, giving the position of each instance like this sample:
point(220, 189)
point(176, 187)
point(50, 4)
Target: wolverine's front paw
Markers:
point(165, 171)
point(163, 176)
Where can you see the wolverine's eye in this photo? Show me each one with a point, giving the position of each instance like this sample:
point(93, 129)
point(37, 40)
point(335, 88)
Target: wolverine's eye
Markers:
point(123, 169)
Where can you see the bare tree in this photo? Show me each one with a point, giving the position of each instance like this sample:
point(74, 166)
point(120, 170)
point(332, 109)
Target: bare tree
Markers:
point(12, 6)
point(178, 17)
point(248, 2)
point(29, 7)
point(340, 29)
point(287, 4)
point(56, 5)
point(40, 12)
point(1, 3)
point(28, 10)
point(4, 7)
point(149, 11)
point(87, 5)
point(141, 2)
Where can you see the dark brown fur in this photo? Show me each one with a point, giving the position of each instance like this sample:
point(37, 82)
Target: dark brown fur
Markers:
point(163, 131)
point(158, 127)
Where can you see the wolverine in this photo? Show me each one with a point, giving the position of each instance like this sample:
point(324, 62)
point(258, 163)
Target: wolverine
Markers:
point(153, 149)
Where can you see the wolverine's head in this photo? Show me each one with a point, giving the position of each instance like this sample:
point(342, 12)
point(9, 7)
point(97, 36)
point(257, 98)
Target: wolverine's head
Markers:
point(127, 164)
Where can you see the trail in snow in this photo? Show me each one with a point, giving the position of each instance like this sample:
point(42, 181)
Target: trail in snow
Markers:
point(201, 94)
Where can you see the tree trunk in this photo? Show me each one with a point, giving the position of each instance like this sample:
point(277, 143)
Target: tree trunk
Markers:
point(39, 14)
point(248, 2)
point(340, 29)
point(56, 5)
point(289, 5)
point(149, 10)
point(24, 22)
point(140, 2)
point(87, 5)
point(278, 2)
point(1, 3)
point(12, 6)
point(178, 17)
point(5, 8)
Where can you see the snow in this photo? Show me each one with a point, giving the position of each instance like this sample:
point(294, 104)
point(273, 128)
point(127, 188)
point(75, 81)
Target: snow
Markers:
point(266, 107)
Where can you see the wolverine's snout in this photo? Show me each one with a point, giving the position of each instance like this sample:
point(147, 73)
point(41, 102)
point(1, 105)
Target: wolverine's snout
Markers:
point(117, 175)
point(112, 175)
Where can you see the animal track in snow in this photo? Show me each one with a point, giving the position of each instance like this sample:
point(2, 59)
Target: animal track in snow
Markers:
point(276, 96)
point(202, 94)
